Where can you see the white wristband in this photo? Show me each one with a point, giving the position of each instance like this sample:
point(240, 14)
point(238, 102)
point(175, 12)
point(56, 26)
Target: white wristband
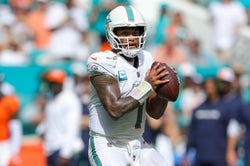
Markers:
point(142, 92)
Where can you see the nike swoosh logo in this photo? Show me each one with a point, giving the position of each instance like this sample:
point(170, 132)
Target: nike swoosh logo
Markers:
point(94, 58)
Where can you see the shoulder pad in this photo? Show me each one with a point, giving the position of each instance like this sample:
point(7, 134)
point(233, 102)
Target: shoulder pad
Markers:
point(101, 62)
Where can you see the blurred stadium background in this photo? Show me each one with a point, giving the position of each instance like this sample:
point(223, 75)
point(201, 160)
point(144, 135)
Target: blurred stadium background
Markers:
point(26, 78)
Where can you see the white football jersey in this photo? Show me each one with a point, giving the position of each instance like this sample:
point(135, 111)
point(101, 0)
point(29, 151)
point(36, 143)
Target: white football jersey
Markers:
point(131, 124)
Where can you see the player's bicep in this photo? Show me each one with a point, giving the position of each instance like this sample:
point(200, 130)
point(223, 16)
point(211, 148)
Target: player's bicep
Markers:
point(107, 89)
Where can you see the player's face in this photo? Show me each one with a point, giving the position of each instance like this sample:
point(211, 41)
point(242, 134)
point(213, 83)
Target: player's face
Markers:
point(55, 88)
point(129, 37)
point(210, 87)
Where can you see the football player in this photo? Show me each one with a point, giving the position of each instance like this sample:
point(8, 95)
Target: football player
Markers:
point(10, 126)
point(123, 84)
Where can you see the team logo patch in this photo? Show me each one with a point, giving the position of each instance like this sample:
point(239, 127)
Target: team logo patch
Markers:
point(92, 68)
point(108, 20)
point(122, 76)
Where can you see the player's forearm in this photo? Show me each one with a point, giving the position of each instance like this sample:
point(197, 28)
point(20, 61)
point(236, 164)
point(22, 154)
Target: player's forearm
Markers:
point(156, 106)
point(231, 143)
point(137, 96)
point(109, 94)
point(118, 108)
point(231, 154)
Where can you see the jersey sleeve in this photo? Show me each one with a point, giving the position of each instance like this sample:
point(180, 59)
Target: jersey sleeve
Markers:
point(101, 63)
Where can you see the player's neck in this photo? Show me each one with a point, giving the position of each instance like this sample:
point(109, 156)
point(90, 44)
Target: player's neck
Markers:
point(133, 61)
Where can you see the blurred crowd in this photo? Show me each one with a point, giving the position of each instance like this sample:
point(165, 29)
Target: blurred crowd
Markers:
point(57, 36)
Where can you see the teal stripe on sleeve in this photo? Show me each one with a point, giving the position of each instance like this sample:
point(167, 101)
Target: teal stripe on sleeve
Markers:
point(130, 13)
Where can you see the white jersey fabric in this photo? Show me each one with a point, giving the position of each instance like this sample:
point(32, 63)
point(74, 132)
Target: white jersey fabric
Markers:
point(131, 125)
point(62, 124)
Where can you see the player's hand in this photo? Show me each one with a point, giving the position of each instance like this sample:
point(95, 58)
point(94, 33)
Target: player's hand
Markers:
point(155, 74)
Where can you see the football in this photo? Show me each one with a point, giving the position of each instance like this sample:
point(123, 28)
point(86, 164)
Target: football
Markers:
point(169, 90)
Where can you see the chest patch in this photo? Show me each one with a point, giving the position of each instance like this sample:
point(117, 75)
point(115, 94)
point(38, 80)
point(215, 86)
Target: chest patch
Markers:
point(122, 76)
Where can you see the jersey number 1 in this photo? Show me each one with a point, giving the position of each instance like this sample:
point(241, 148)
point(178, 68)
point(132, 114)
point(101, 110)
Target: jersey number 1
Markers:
point(139, 117)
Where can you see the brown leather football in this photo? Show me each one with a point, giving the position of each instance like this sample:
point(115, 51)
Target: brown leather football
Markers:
point(169, 90)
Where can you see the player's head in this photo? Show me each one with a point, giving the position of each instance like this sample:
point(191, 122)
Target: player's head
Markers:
point(126, 30)
point(226, 77)
point(56, 76)
point(55, 79)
